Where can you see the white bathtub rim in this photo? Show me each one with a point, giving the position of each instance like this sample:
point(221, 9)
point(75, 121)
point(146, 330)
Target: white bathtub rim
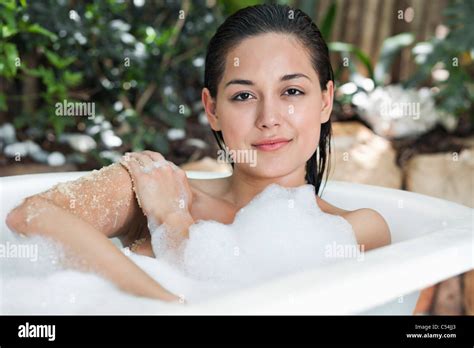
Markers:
point(333, 185)
point(361, 298)
point(259, 293)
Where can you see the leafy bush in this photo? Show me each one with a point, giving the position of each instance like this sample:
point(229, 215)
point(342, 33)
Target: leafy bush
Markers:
point(452, 54)
point(140, 63)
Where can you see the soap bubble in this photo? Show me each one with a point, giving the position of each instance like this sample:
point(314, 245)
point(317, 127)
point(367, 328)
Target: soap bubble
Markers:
point(268, 239)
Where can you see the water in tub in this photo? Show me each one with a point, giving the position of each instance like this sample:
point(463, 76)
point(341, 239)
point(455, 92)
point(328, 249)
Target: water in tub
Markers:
point(281, 231)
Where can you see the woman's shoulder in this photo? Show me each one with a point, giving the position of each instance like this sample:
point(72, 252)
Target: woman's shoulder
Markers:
point(369, 226)
point(212, 187)
point(329, 208)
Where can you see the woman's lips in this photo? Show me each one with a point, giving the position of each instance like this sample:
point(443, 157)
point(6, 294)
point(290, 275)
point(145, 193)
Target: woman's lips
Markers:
point(272, 146)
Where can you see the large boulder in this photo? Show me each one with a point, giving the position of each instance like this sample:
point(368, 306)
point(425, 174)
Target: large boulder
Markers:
point(444, 175)
point(363, 157)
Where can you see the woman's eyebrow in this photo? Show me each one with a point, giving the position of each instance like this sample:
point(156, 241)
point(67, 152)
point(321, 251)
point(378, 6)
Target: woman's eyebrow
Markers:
point(250, 83)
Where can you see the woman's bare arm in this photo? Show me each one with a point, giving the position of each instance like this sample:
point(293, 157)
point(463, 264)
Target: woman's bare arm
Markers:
point(370, 228)
point(103, 198)
point(86, 248)
point(81, 215)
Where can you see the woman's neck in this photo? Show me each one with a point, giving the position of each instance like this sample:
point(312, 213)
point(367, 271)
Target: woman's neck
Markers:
point(242, 187)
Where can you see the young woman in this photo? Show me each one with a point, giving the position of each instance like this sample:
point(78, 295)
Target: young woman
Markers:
point(268, 88)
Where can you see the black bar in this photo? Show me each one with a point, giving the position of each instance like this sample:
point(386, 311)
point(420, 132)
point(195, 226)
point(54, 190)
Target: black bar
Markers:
point(137, 330)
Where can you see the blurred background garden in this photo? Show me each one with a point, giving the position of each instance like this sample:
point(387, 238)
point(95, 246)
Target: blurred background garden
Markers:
point(403, 109)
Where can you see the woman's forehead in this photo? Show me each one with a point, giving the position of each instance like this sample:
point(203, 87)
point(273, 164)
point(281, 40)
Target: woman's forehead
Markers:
point(267, 56)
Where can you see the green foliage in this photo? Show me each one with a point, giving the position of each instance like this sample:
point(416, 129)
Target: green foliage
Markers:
point(328, 21)
point(349, 50)
point(453, 53)
point(390, 48)
point(21, 37)
point(141, 66)
point(13, 24)
point(231, 6)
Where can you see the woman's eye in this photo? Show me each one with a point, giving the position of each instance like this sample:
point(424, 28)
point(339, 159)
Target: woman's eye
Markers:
point(244, 94)
point(294, 90)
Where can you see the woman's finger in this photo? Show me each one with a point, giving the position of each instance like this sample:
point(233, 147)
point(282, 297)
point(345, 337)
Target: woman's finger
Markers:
point(159, 160)
point(144, 160)
point(174, 166)
point(135, 167)
point(155, 156)
point(125, 160)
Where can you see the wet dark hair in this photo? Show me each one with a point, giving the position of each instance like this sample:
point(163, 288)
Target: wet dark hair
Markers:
point(273, 18)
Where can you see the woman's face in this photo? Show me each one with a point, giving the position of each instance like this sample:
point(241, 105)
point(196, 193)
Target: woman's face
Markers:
point(261, 98)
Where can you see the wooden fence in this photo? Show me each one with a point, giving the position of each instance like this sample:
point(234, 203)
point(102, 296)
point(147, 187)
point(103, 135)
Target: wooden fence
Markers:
point(366, 23)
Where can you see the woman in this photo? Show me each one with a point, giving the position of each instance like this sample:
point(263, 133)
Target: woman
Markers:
point(268, 88)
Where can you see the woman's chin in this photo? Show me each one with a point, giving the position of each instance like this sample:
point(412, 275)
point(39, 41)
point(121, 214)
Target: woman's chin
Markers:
point(268, 169)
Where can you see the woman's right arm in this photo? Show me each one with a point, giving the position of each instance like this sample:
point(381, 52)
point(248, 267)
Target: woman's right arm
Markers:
point(81, 215)
point(103, 198)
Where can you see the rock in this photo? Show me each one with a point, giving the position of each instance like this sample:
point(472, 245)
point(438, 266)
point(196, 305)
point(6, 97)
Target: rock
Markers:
point(93, 130)
point(109, 138)
point(56, 159)
point(7, 133)
point(443, 175)
point(360, 156)
point(176, 134)
point(199, 143)
point(40, 156)
point(33, 148)
point(207, 164)
point(30, 148)
point(448, 299)
point(79, 142)
point(395, 112)
point(425, 301)
point(203, 119)
point(469, 292)
point(16, 150)
point(447, 176)
point(22, 149)
point(113, 156)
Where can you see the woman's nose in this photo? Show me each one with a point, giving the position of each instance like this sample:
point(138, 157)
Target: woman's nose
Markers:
point(268, 116)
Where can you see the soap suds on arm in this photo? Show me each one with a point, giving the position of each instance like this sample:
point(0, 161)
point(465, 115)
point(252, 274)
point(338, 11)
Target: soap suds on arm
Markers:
point(103, 198)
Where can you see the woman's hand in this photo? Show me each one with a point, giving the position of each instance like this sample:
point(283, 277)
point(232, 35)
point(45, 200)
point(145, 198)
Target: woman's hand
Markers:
point(162, 189)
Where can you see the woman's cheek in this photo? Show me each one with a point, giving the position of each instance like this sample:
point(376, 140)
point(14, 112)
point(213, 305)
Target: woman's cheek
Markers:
point(239, 123)
point(309, 129)
point(234, 135)
point(305, 116)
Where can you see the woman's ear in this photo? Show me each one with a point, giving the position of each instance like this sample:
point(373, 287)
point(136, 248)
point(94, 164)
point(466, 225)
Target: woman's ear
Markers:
point(210, 108)
point(328, 98)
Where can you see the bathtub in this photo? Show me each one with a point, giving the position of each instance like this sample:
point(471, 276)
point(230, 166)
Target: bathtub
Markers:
point(432, 240)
